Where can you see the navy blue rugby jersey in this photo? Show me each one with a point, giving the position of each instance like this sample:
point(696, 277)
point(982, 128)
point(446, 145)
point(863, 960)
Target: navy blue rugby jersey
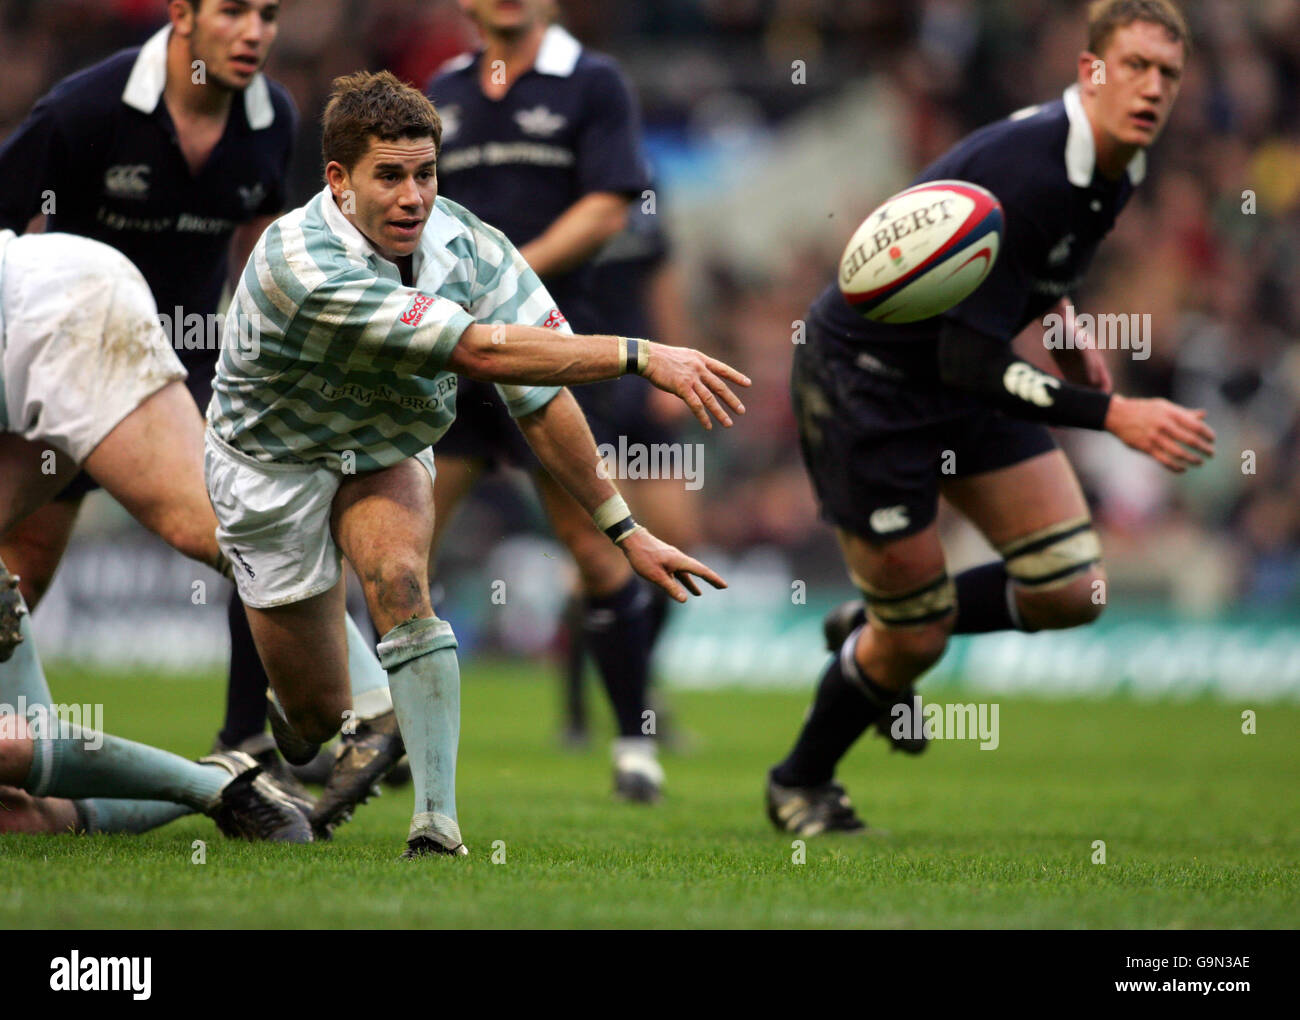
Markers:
point(568, 127)
point(104, 144)
point(1041, 165)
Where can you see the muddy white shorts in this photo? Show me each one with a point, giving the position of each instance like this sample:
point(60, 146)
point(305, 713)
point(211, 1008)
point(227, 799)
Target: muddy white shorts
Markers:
point(80, 343)
point(273, 523)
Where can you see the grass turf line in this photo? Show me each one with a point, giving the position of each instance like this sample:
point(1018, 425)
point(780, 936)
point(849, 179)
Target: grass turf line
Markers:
point(1198, 821)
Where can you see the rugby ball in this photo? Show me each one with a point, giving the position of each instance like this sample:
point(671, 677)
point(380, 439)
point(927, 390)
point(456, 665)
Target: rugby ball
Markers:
point(921, 252)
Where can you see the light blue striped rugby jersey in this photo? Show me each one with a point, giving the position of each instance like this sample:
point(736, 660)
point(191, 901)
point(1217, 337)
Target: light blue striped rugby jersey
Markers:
point(347, 359)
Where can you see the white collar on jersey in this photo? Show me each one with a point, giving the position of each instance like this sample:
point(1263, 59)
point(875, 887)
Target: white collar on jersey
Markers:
point(1081, 150)
point(149, 74)
point(438, 231)
point(558, 54)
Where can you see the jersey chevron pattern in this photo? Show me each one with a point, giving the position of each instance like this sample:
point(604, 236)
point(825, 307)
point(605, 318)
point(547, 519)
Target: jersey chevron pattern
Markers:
point(326, 353)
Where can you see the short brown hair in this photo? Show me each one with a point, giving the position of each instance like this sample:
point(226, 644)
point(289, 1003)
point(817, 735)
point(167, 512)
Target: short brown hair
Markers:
point(364, 106)
point(1105, 16)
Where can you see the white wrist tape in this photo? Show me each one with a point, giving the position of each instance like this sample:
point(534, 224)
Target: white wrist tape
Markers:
point(611, 512)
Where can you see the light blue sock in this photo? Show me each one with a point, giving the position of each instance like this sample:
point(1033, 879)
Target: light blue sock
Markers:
point(424, 677)
point(104, 814)
point(91, 764)
point(370, 695)
point(22, 676)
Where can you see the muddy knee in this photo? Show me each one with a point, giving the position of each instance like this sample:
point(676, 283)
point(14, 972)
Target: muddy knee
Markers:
point(396, 592)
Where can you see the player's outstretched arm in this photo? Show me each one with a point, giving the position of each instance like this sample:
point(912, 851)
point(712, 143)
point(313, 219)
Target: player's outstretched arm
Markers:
point(559, 435)
point(538, 356)
point(1174, 436)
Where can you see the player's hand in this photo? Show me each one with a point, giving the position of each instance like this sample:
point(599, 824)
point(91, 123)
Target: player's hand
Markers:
point(666, 565)
point(699, 380)
point(1161, 429)
point(664, 407)
point(1084, 366)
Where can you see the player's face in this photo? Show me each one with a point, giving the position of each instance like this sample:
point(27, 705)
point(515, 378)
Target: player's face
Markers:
point(389, 194)
point(1143, 70)
point(508, 17)
point(233, 38)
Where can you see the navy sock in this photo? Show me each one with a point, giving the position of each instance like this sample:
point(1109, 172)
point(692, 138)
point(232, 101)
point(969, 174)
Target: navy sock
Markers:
point(984, 600)
point(618, 629)
point(575, 667)
point(659, 603)
point(842, 709)
point(246, 686)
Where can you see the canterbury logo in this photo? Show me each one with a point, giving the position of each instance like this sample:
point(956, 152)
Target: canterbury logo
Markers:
point(888, 518)
point(127, 181)
point(419, 305)
point(555, 320)
point(1030, 385)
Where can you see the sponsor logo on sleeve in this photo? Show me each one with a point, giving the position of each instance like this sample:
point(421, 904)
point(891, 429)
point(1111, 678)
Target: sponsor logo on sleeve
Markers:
point(555, 320)
point(415, 312)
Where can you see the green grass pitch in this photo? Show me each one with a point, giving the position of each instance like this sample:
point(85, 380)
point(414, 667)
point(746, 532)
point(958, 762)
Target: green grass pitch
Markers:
point(1199, 823)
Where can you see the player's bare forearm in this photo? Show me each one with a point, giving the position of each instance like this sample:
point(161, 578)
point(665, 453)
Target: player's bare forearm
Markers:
point(576, 234)
point(559, 435)
point(534, 355)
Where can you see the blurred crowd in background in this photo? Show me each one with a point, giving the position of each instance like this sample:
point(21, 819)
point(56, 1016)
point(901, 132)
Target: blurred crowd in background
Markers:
point(854, 96)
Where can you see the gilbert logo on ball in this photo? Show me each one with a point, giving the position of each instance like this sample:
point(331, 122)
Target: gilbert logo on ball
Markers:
point(921, 252)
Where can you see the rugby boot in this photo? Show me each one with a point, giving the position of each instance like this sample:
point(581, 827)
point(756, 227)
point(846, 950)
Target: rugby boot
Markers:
point(811, 810)
point(363, 759)
point(438, 835)
point(251, 807)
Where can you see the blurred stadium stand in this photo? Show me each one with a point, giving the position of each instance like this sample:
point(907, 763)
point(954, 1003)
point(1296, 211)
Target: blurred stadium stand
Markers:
point(762, 180)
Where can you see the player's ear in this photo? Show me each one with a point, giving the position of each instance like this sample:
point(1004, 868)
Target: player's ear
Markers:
point(182, 13)
point(1091, 72)
point(338, 178)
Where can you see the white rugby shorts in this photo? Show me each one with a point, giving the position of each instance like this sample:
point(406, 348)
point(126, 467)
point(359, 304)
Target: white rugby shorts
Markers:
point(80, 343)
point(273, 523)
